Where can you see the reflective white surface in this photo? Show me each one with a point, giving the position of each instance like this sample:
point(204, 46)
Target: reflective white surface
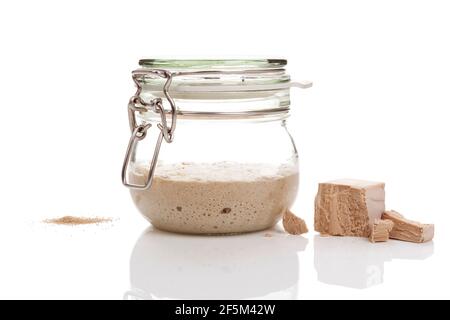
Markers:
point(113, 261)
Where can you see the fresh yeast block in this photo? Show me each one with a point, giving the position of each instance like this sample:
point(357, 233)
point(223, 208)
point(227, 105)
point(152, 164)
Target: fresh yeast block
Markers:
point(408, 230)
point(348, 207)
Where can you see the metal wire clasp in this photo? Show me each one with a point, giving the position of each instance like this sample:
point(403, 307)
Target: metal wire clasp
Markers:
point(139, 131)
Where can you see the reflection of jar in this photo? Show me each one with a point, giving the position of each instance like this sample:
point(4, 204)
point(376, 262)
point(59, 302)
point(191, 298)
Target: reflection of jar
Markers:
point(164, 266)
point(232, 165)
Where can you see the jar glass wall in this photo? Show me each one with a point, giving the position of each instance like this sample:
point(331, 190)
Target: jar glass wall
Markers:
point(219, 177)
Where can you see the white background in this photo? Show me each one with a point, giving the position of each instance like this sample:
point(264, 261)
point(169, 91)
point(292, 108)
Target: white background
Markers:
point(378, 110)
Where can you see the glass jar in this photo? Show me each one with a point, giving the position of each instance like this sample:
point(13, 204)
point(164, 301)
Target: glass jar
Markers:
point(210, 152)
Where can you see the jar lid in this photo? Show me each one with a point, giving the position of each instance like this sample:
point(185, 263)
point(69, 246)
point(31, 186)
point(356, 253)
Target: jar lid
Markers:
point(228, 75)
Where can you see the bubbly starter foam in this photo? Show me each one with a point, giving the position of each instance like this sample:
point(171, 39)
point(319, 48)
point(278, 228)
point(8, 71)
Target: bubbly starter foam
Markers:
point(222, 197)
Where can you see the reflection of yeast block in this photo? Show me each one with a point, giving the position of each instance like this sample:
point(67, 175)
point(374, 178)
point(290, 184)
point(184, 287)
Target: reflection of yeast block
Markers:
point(408, 230)
point(349, 262)
point(352, 262)
point(348, 207)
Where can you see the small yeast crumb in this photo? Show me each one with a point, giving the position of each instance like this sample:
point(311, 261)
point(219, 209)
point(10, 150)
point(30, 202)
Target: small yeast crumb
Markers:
point(293, 224)
point(380, 230)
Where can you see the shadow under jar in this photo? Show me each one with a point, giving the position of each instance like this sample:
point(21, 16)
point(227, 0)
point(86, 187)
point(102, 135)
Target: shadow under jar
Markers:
point(210, 152)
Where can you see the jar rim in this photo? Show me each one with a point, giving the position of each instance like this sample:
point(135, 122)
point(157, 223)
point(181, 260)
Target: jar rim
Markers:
point(213, 64)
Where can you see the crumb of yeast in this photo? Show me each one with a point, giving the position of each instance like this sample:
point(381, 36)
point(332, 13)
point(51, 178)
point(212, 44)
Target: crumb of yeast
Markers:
point(293, 224)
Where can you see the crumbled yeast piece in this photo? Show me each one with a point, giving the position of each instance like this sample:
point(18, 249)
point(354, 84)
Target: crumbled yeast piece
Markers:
point(348, 207)
point(293, 224)
point(380, 230)
point(408, 230)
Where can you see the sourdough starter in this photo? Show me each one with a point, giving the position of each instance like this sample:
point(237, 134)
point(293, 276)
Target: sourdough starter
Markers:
point(221, 197)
